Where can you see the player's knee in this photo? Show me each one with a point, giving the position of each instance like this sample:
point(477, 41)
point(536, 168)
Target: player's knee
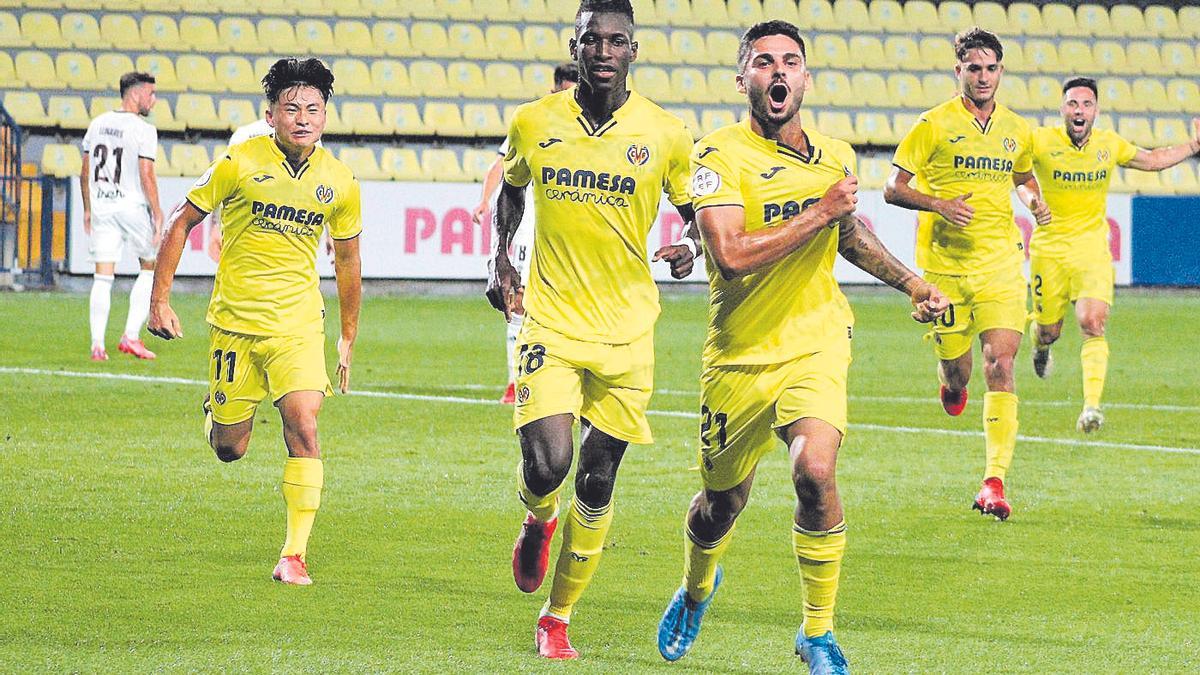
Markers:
point(813, 476)
point(998, 367)
point(1048, 335)
point(1092, 326)
point(229, 451)
point(542, 478)
point(595, 488)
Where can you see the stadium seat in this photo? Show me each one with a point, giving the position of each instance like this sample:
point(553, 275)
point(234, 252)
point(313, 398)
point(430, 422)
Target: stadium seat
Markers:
point(654, 47)
point(1059, 19)
point(1143, 57)
point(1014, 58)
point(236, 73)
point(61, 160)
point(279, 35)
point(1093, 19)
point(1042, 56)
point(1152, 91)
point(189, 159)
point(867, 86)
point(903, 123)
point(77, 71)
point(904, 91)
point(711, 13)
point(240, 36)
point(655, 82)
point(476, 163)
point(356, 36)
point(458, 10)
point(162, 69)
point(833, 88)
point(817, 15)
point(829, 51)
point(866, 51)
point(1170, 131)
point(351, 76)
point(196, 73)
point(1117, 184)
point(722, 86)
point(784, 10)
point(362, 163)
point(494, 10)
point(10, 31)
point(465, 79)
point(875, 128)
point(1044, 93)
point(42, 30)
point(1128, 20)
point(542, 43)
point(363, 118)
point(26, 109)
point(466, 40)
point(922, 16)
point(383, 9)
point(954, 16)
point(82, 31)
point(37, 69)
point(1178, 58)
point(1184, 93)
point(503, 80)
point(873, 172)
point(198, 112)
point(445, 119)
point(1015, 93)
point(838, 124)
point(888, 17)
point(199, 34)
point(391, 77)
point(938, 52)
point(401, 164)
point(333, 122)
point(561, 11)
point(1180, 179)
point(1143, 182)
point(712, 119)
point(160, 32)
point(691, 85)
point(1027, 18)
point(688, 46)
point(688, 115)
point(237, 112)
point(429, 39)
point(851, 15)
point(676, 13)
point(937, 87)
point(1116, 95)
point(1077, 53)
point(722, 47)
point(537, 78)
point(316, 37)
point(506, 40)
point(1161, 21)
point(428, 78)
point(993, 17)
point(643, 11)
point(441, 164)
point(102, 104)
point(1136, 130)
point(904, 52)
point(1110, 57)
point(483, 119)
point(742, 13)
point(403, 119)
point(8, 73)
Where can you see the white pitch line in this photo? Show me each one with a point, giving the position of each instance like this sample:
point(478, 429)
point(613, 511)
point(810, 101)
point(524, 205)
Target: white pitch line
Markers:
point(660, 413)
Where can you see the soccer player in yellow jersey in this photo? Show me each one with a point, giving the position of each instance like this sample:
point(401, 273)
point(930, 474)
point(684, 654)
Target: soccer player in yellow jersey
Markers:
point(597, 160)
point(1070, 260)
point(967, 154)
point(775, 204)
point(266, 317)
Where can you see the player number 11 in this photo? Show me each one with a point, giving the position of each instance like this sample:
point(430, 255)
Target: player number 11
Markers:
point(230, 359)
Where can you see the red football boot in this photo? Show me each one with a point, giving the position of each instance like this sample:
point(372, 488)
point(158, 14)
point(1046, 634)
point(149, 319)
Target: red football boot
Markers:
point(990, 500)
point(510, 394)
point(136, 348)
point(954, 405)
point(99, 354)
point(551, 641)
point(292, 570)
point(531, 553)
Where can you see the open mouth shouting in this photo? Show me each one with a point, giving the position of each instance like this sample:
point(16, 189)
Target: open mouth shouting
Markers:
point(777, 97)
point(1078, 123)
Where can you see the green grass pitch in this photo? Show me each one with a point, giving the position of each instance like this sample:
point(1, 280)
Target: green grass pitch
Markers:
point(128, 547)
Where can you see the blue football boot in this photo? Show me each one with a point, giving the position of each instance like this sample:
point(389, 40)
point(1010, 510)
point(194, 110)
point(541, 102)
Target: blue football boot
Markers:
point(822, 654)
point(681, 622)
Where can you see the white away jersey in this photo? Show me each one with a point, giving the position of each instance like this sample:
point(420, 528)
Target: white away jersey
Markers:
point(252, 130)
point(114, 142)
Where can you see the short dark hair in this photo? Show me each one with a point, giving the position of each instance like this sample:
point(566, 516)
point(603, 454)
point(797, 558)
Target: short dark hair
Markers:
point(129, 80)
point(1081, 82)
point(623, 7)
point(763, 29)
point(566, 72)
point(293, 72)
point(977, 38)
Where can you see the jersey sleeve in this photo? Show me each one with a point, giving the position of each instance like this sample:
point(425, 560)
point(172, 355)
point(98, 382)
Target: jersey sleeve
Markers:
point(675, 183)
point(346, 222)
point(516, 169)
point(1123, 150)
point(1024, 161)
point(916, 148)
point(148, 143)
point(87, 141)
point(215, 185)
point(503, 149)
point(714, 180)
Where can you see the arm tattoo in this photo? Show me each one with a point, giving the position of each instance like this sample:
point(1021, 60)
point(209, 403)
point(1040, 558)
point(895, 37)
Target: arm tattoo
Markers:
point(510, 207)
point(859, 245)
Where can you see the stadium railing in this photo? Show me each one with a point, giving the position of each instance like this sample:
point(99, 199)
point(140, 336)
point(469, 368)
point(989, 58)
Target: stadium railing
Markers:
point(10, 193)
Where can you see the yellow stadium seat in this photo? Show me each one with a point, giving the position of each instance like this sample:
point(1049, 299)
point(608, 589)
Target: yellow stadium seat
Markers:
point(904, 91)
point(162, 69)
point(833, 88)
point(26, 109)
point(505, 39)
point(355, 10)
point(8, 73)
point(351, 76)
point(712, 13)
point(537, 78)
point(560, 11)
point(722, 47)
point(1117, 185)
point(10, 31)
point(1016, 94)
point(334, 124)
point(643, 11)
point(189, 159)
point(837, 124)
point(196, 73)
point(1170, 131)
point(316, 37)
point(937, 87)
point(401, 164)
point(1184, 93)
point(392, 39)
point(955, 16)
point(655, 82)
point(1143, 182)
point(102, 104)
point(1116, 95)
point(392, 78)
point(428, 78)
point(198, 112)
point(1059, 19)
point(1161, 21)
point(61, 160)
point(939, 52)
point(236, 73)
point(1014, 58)
point(903, 123)
point(654, 47)
point(817, 15)
point(1143, 57)
point(1044, 93)
point(784, 10)
point(430, 39)
point(445, 119)
point(237, 113)
point(904, 53)
point(1181, 179)
point(77, 71)
point(688, 46)
point(1027, 18)
point(875, 128)
point(1094, 20)
point(1041, 55)
point(241, 36)
point(1052, 121)
point(1079, 57)
point(851, 15)
point(1178, 58)
point(688, 115)
point(691, 85)
point(829, 50)
point(922, 16)
point(542, 43)
point(1103, 121)
point(356, 36)
point(1128, 20)
point(466, 40)
point(456, 9)
point(199, 34)
point(37, 69)
point(476, 163)
point(873, 172)
point(162, 117)
point(1110, 57)
point(712, 119)
point(405, 120)
point(465, 79)
point(160, 32)
point(362, 164)
point(743, 13)
point(676, 13)
point(993, 17)
point(441, 164)
point(866, 51)
point(363, 118)
point(387, 9)
point(42, 30)
point(493, 10)
point(1136, 130)
point(483, 119)
point(278, 35)
point(723, 88)
point(888, 16)
point(82, 31)
point(503, 80)
point(867, 86)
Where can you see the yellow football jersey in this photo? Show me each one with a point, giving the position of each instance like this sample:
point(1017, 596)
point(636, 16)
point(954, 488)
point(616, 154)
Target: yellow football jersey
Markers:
point(1075, 184)
point(271, 223)
point(951, 154)
point(596, 193)
point(794, 307)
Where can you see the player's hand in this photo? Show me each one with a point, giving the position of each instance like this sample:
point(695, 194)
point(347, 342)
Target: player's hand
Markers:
point(1040, 210)
point(840, 199)
point(345, 350)
point(928, 303)
point(503, 282)
point(679, 256)
point(957, 210)
point(87, 223)
point(163, 322)
point(477, 214)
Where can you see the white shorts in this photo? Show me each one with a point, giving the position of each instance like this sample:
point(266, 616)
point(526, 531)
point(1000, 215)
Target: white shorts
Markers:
point(111, 231)
point(522, 244)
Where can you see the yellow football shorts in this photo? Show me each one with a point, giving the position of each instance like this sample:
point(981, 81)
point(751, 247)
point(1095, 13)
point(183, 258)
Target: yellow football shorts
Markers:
point(744, 408)
point(609, 385)
point(244, 369)
point(978, 302)
point(1056, 282)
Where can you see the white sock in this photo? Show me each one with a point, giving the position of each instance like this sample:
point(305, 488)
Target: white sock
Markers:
point(139, 303)
point(98, 307)
point(513, 330)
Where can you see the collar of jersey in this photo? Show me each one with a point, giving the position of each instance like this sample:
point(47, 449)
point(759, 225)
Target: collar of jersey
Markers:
point(814, 152)
point(297, 173)
point(962, 108)
point(575, 108)
point(1063, 136)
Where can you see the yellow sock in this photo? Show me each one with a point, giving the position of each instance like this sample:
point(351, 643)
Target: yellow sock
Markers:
point(543, 507)
point(303, 478)
point(700, 560)
point(1094, 355)
point(820, 557)
point(583, 541)
point(999, 431)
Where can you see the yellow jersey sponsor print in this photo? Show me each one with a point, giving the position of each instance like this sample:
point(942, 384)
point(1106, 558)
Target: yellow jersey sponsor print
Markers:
point(794, 307)
point(596, 193)
point(273, 217)
point(952, 154)
point(1075, 183)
